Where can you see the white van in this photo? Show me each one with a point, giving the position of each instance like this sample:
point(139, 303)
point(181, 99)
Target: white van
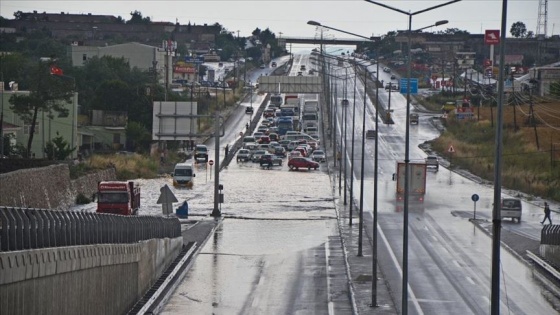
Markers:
point(183, 174)
point(511, 208)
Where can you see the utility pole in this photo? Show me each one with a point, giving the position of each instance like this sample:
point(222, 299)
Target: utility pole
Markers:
point(442, 74)
point(532, 114)
point(2, 115)
point(216, 211)
point(389, 102)
point(515, 128)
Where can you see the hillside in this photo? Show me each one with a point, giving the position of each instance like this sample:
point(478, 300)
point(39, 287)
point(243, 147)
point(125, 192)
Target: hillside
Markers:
point(526, 166)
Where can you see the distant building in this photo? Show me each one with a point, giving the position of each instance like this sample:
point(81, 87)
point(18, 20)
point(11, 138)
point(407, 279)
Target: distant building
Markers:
point(45, 128)
point(138, 55)
point(99, 30)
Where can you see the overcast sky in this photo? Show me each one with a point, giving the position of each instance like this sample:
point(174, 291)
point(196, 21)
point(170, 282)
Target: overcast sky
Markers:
point(290, 17)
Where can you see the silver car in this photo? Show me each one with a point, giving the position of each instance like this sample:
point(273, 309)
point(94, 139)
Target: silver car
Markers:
point(319, 156)
point(243, 155)
point(257, 155)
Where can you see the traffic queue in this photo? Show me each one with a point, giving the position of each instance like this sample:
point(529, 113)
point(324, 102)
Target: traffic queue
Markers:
point(285, 134)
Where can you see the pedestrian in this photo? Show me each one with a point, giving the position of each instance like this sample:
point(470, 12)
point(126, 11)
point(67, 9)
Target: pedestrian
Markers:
point(546, 214)
point(227, 149)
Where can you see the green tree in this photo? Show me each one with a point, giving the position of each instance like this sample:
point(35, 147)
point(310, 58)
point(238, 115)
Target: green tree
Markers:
point(47, 93)
point(96, 71)
point(12, 66)
point(518, 29)
point(58, 148)
point(555, 88)
point(112, 95)
point(138, 136)
point(137, 18)
point(453, 31)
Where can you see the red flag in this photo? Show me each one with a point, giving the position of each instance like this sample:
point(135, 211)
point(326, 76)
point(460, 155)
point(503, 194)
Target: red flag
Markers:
point(56, 70)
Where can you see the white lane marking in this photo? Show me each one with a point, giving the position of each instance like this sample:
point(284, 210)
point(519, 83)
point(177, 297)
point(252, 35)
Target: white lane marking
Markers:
point(327, 255)
point(412, 296)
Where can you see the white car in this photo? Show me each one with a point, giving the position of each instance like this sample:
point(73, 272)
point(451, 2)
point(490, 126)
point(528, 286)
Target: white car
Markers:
point(257, 155)
point(318, 156)
point(243, 155)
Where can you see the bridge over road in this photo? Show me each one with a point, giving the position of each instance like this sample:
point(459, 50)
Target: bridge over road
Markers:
point(318, 41)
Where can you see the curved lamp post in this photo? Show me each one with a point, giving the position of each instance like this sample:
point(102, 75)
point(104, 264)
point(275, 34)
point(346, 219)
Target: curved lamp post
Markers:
point(407, 144)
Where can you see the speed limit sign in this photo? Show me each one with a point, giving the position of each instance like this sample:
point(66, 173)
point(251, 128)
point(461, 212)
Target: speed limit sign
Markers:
point(211, 162)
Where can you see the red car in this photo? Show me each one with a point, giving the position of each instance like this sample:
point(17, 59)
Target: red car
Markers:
point(302, 150)
point(301, 162)
point(264, 139)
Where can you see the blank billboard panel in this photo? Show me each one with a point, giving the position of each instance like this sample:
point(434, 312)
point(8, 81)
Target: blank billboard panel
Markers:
point(174, 120)
point(290, 84)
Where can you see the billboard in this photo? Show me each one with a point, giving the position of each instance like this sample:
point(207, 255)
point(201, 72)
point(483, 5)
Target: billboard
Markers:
point(174, 120)
point(290, 84)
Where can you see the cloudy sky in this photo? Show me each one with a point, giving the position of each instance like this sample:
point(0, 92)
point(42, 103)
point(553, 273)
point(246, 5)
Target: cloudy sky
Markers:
point(290, 17)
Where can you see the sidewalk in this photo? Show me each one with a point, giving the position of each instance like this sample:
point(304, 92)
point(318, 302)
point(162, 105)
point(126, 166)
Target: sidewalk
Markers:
point(360, 268)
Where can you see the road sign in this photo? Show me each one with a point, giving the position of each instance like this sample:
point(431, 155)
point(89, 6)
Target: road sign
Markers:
point(197, 60)
point(474, 198)
point(166, 199)
point(492, 37)
point(211, 162)
point(451, 149)
point(413, 85)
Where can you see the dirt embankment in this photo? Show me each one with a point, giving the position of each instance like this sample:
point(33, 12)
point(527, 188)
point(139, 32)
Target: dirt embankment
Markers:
point(531, 151)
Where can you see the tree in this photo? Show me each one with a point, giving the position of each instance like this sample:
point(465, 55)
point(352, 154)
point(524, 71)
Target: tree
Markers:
point(453, 31)
point(138, 136)
point(555, 88)
point(136, 18)
point(518, 29)
point(47, 93)
point(58, 148)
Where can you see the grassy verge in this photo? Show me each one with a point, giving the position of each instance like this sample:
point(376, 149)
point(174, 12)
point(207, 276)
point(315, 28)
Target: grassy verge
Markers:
point(525, 166)
point(127, 166)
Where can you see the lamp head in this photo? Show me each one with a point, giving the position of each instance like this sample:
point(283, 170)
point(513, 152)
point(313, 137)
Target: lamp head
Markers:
point(442, 22)
point(314, 23)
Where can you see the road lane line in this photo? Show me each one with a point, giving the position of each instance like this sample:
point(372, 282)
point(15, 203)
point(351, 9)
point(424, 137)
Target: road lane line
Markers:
point(327, 255)
point(412, 296)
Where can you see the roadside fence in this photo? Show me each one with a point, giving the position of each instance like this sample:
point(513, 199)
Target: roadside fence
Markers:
point(550, 235)
point(30, 228)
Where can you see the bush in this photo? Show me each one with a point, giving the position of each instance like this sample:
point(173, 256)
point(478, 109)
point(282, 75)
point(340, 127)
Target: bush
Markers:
point(81, 199)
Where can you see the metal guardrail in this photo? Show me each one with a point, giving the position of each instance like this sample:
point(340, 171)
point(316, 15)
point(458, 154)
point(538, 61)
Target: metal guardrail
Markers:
point(544, 265)
point(550, 235)
point(30, 228)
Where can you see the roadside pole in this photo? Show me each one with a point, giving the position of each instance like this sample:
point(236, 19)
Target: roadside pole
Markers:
point(474, 198)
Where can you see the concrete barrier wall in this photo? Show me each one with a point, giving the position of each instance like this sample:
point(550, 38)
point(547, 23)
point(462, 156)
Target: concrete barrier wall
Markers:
point(551, 253)
point(47, 187)
point(93, 279)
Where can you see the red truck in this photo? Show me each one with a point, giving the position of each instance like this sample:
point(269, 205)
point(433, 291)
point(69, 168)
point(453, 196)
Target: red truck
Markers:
point(417, 180)
point(118, 197)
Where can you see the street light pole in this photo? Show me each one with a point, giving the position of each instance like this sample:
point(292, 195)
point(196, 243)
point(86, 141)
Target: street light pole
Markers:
point(345, 115)
point(407, 145)
point(496, 217)
point(352, 154)
point(375, 178)
point(361, 222)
